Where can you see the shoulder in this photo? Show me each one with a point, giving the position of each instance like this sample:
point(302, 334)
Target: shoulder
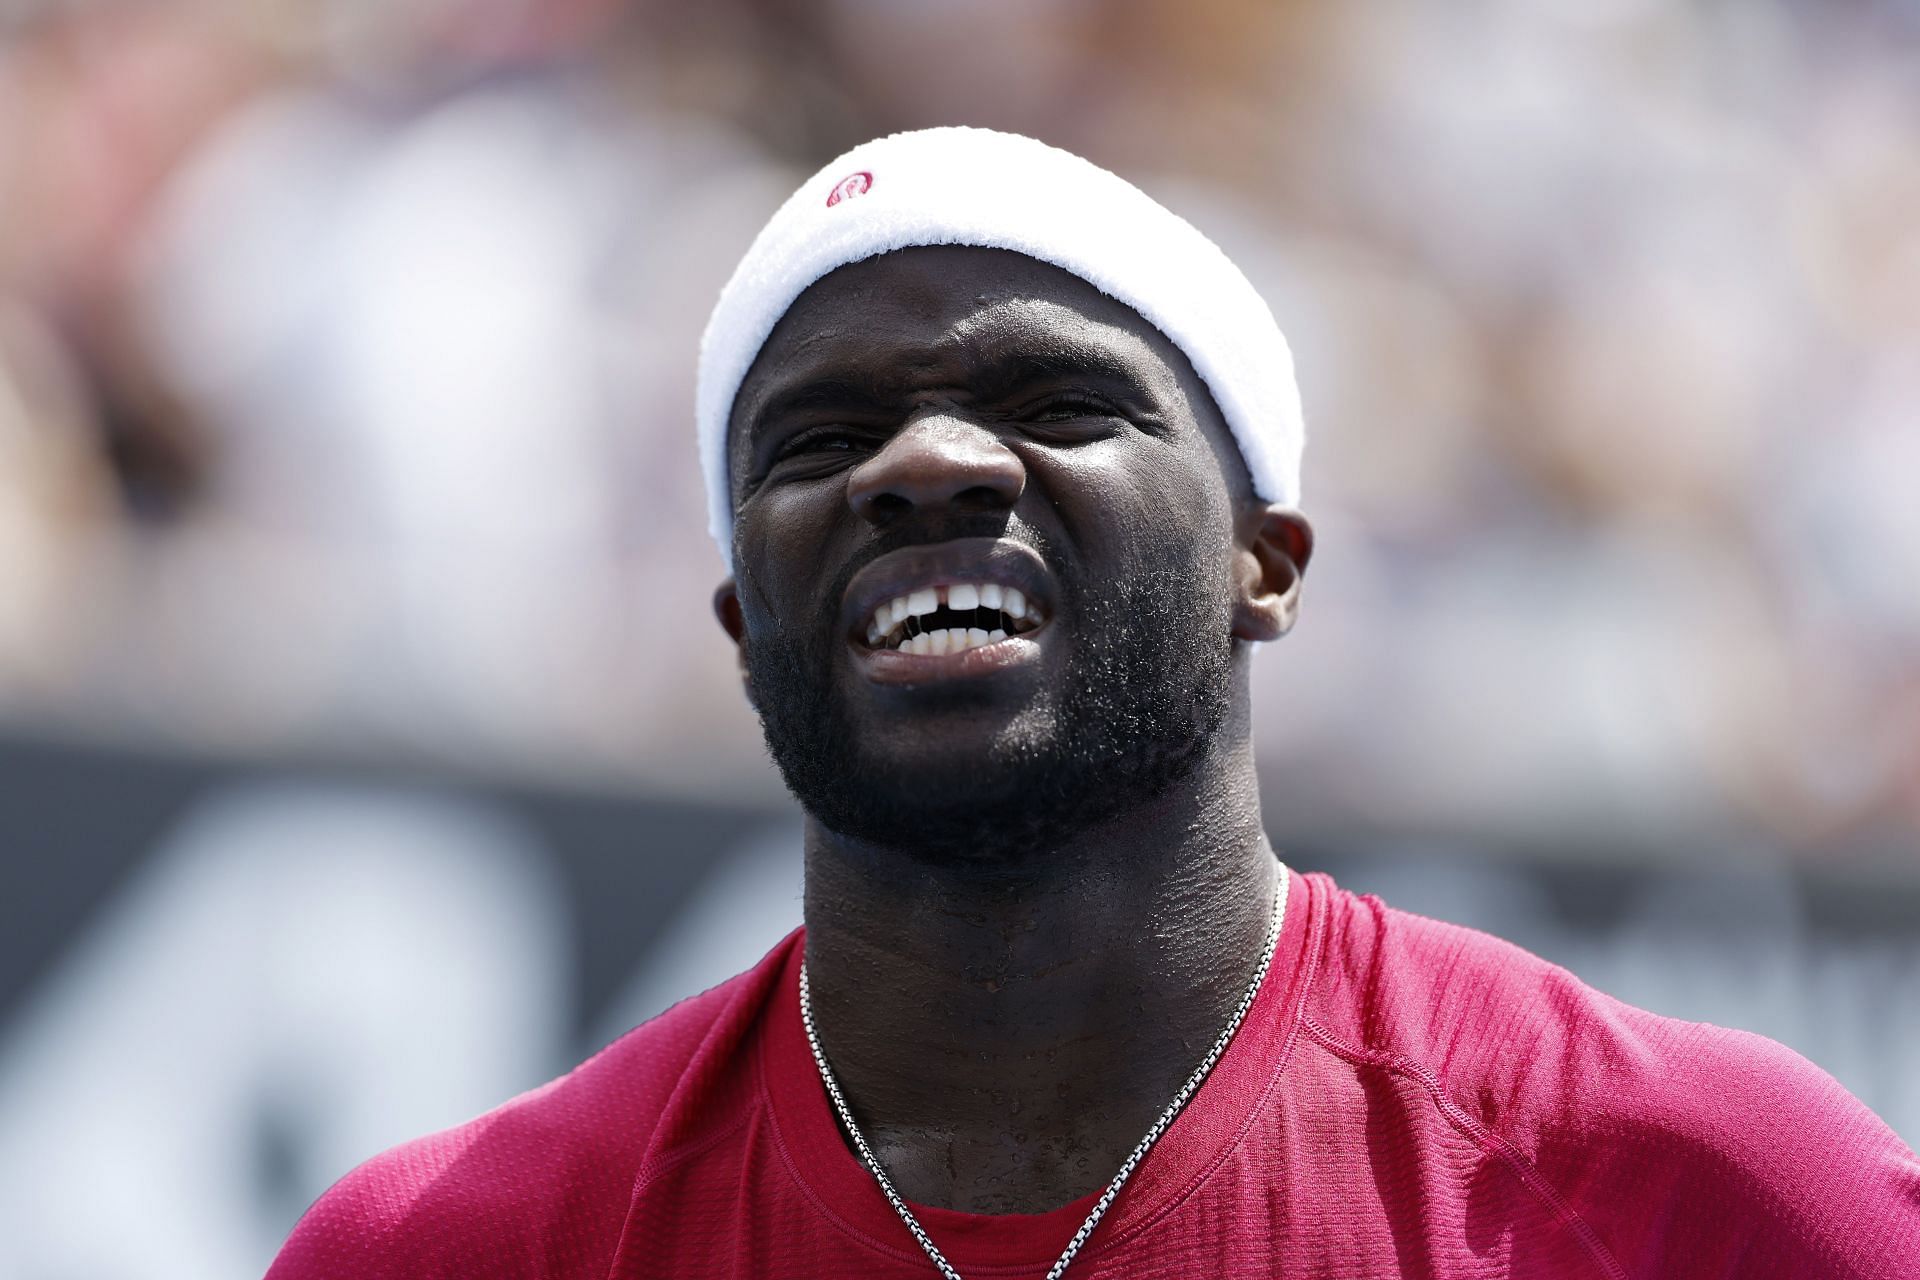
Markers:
point(541, 1184)
point(1470, 1005)
point(1620, 1110)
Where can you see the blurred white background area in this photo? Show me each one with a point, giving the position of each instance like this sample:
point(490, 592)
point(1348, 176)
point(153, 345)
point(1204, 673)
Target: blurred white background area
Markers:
point(368, 752)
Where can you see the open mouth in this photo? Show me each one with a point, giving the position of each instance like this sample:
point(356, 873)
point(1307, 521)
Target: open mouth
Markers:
point(952, 618)
point(959, 609)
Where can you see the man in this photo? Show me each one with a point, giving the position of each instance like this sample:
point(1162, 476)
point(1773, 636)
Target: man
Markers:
point(1005, 458)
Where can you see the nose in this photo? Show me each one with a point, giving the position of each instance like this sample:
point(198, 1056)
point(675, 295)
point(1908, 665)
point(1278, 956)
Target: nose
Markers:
point(939, 461)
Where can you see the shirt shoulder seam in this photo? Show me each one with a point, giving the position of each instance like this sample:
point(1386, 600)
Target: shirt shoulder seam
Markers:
point(653, 1170)
point(1486, 1139)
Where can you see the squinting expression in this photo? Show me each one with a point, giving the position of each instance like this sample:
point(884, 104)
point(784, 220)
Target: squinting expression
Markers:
point(983, 531)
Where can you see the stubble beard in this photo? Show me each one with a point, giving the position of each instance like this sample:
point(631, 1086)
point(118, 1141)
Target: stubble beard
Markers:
point(1145, 692)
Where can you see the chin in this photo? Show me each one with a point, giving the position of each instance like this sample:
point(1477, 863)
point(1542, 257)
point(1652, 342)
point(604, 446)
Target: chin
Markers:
point(936, 798)
point(1001, 810)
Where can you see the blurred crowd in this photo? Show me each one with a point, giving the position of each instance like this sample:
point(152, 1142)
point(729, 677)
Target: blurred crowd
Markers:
point(347, 346)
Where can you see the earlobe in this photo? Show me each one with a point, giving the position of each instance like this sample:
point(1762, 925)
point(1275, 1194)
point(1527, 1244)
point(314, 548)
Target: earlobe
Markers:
point(726, 607)
point(1271, 552)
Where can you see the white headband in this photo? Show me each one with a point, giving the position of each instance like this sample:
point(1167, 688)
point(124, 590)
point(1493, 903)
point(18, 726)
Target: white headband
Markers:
point(1002, 191)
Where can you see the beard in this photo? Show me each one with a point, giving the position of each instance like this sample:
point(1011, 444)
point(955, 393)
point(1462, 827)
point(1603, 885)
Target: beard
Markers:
point(1144, 693)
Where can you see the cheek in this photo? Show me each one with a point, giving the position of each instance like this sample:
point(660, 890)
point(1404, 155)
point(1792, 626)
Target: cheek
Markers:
point(781, 543)
point(1143, 499)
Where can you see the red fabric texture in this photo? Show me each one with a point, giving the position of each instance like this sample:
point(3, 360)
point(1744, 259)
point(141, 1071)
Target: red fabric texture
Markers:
point(1405, 1099)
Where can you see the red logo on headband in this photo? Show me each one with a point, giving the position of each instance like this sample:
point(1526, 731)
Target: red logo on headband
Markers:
point(854, 184)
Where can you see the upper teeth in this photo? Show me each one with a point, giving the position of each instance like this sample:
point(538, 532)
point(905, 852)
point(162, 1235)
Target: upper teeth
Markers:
point(901, 623)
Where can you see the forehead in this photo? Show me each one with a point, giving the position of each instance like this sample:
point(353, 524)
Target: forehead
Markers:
point(943, 314)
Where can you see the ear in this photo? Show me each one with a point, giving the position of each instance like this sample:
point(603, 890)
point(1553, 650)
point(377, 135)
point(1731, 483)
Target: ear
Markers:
point(1271, 549)
point(726, 607)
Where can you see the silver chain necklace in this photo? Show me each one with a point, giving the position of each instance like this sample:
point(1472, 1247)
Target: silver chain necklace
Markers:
point(1180, 1099)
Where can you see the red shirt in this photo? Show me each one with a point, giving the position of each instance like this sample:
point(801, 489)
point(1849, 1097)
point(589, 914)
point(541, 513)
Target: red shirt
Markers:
point(1405, 1098)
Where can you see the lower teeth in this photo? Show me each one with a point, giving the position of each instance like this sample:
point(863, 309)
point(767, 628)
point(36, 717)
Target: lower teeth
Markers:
point(950, 640)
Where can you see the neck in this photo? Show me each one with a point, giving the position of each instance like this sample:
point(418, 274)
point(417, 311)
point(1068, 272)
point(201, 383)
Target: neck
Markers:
point(1005, 1037)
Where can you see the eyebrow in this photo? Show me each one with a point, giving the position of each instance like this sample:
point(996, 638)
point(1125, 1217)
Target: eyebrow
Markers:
point(1061, 362)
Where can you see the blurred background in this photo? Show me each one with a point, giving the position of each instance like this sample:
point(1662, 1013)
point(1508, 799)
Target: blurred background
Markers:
point(367, 751)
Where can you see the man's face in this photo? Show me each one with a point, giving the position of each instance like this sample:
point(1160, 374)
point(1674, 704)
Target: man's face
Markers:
point(984, 530)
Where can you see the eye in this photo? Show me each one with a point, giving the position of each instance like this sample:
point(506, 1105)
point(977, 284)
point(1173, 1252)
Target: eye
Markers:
point(1070, 409)
point(1071, 419)
point(826, 442)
